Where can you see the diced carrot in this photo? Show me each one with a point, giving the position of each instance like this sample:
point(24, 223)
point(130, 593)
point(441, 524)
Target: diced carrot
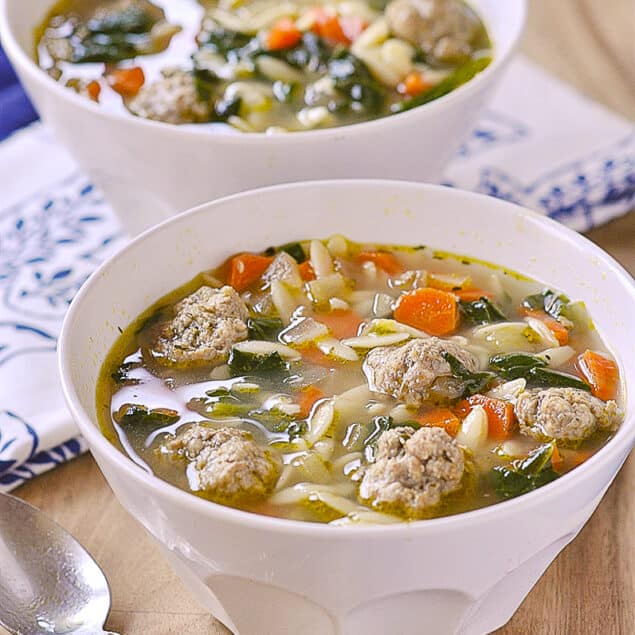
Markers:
point(337, 29)
point(313, 355)
point(245, 269)
point(557, 460)
point(308, 397)
point(306, 271)
point(501, 420)
point(126, 81)
point(580, 457)
point(384, 260)
point(440, 418)
point(600, 373)
point(343, 323)
point(93, 90)
point(471, 295)
point(430, 310)
point(284, 34)
point(413, 84)
point(560, 332)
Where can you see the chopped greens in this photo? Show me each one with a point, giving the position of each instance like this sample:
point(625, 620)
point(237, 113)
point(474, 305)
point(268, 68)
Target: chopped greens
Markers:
point(550, 302)
point(457, 78)
point(515, 365)
point(481, 311)
point(241, 363)
point(352, 78)
point(525, 475)
point(545, 377)
point(296, 251)
point(138, 415)
point(472, 382)
point(264, 328)
point(121, 376)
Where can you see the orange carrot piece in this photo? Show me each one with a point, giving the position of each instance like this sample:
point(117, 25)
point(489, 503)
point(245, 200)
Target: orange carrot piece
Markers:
point(284, 34)
point(126, 81)
point(580, 457)
point(384, 260)
point(313, 355)
point(306, 271)
point(560, 331)
point(329, 27)
point(308, 397)
point(557, 460)
point(343, 323)
point(430, 310)
point(245, 269)
point(93, 90)
point(600, 373)
point(500, 415)
point(413, 84)
point(471, 295)
point(440, 418)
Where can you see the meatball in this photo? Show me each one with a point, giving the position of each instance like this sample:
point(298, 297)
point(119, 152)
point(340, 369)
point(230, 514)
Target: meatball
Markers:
point(206, 325)
point(229, 465)
point(412, 470)
point(416, 371)
point(444, 29)
point(172, 99)
point(564, 414)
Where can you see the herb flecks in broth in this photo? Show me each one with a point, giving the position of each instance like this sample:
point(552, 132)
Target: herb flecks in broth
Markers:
point(262, 65)
point(337, 382)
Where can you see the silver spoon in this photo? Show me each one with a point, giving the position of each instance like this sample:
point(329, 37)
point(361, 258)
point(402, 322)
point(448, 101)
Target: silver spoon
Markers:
point(48, 581)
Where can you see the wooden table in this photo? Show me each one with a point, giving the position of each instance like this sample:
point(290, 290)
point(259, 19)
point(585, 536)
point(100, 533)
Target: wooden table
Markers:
point(590, 588)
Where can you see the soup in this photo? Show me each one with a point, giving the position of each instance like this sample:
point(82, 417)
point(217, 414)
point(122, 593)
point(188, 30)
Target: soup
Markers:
point(263, 65)
point(336, 382)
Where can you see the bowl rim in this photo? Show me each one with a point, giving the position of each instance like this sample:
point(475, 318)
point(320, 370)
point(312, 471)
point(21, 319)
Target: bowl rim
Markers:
point(622, 441)
point(27, 64)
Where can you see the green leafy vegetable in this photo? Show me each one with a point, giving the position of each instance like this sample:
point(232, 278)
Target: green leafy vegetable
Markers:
point(264, 328)
point(226, 42)
point(525, 475)
point(515, 365)
point(311, 53)
point(131, 19)
point(138, 415)
point(549, 301)
point(352, 78)
point(482, 311)
point(241, 363)
point(122, 375)
point(545, 377)
point(284, 91)
point(226, 108)
point(457, 78)
point(296, 251)
point(472, 382)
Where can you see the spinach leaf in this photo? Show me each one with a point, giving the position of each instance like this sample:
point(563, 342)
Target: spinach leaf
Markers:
point(138, 415)
point(264, 328)
point(472, 382)
point(121, 376)
point(241, 363)
point(515, 365)
point(285, 91)
point(352, 78)
point(311, 53)
point(525, 475)
point(550, 302)
point(226, 108)
point(101, 47)
point(131, 19)
point(482, 311)
point(545, 377)
point(296, 429)
point(458, 77)
point(226, 42)
point(296, 251)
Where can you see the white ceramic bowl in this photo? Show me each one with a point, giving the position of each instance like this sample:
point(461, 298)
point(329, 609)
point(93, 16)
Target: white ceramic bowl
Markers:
point(150, 170)
point(265, 576)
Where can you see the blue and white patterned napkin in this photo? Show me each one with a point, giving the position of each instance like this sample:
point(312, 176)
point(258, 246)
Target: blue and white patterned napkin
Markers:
point(540, 144)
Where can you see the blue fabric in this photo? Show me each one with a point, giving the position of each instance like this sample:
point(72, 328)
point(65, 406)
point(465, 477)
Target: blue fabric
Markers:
point(16, 110)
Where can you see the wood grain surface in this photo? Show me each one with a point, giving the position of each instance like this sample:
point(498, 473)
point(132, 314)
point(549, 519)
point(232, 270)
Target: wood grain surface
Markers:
point(590, 588)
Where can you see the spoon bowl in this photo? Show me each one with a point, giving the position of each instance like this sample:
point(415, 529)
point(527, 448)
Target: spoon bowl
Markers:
point(48, 582)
